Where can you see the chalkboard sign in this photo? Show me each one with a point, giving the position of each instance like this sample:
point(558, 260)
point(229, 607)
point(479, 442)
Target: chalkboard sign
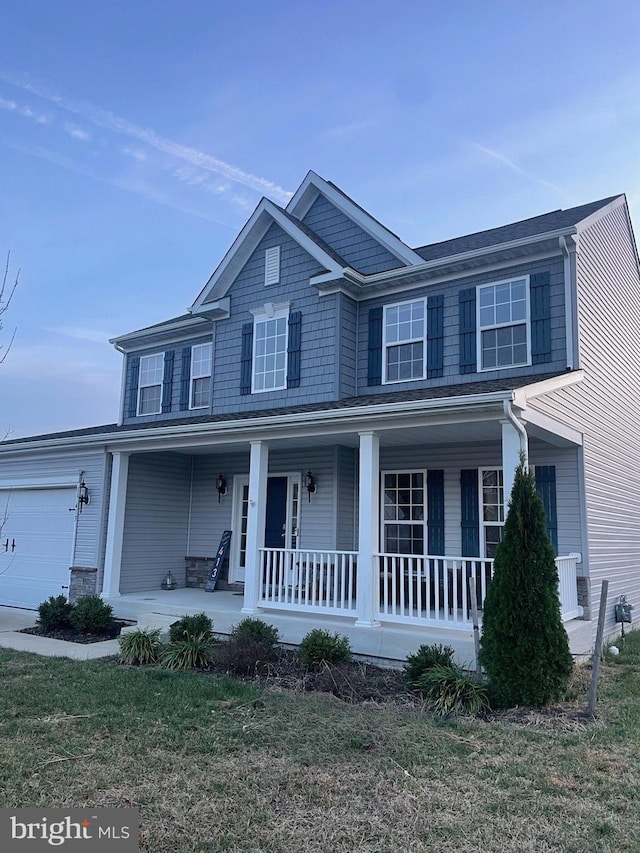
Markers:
point(221, 553)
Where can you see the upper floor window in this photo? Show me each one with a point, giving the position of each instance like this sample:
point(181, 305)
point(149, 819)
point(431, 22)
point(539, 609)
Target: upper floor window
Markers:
point(503, 324)
point(270, 341)
point(492, 509)
point(272, 265)
point(404, 341)
point(150, 385)
point(200, 395)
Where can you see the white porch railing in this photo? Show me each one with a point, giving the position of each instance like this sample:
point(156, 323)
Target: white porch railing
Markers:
point(438, 590)
point(419, 589)
point(320, 581)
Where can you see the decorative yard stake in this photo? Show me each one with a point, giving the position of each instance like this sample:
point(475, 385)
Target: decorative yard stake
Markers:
point(597, 652)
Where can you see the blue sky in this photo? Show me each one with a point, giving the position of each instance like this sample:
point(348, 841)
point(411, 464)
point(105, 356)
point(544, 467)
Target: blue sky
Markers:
point(136, 138)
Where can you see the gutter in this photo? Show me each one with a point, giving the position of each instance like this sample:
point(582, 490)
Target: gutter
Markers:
point(519, 427)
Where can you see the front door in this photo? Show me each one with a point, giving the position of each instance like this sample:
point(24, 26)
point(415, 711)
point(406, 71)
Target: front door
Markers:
point(275, 530)
point(281, 521)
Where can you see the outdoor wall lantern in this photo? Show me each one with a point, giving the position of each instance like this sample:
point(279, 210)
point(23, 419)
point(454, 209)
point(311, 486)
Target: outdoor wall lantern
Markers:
point(310, 484)
point(221, 486)
point(83, 494)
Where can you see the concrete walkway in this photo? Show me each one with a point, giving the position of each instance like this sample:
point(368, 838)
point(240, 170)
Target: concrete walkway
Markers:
point(12, 620)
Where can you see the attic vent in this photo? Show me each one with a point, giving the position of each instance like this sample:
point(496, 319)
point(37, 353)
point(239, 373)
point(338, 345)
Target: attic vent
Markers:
point(272, 265)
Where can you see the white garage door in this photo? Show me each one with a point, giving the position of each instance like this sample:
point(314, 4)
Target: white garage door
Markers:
point(36, 544)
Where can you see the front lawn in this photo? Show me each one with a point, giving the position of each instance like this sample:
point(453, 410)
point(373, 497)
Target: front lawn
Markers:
point(215, 764)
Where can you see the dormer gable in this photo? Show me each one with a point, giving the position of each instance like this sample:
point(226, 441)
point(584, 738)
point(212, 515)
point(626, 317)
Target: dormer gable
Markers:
point(264, 216)
point(366, 245)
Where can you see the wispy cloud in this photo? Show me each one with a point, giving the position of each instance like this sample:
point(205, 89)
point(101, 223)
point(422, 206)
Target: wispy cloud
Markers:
point(116, 124)
point(24, 110)
point(350, 129)
point(510, 164)
point(136, 153)
point(82, 333)
point(77, 133)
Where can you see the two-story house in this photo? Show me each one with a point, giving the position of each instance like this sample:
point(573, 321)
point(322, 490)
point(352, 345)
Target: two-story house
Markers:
point(353, 410)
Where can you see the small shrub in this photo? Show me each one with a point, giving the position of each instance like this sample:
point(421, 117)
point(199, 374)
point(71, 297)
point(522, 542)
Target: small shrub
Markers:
point(191, 626)
point(193, 651)
point(140, 646)
point(320, 647)
point(450, 690)
point(256, 630)
point(425, 659)
point(91, 615)
point(55, 613)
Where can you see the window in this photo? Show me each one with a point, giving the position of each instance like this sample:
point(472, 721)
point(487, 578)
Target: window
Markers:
point(492, 509)
point(272, 265)
point(403, 513)
point(503, 324)
point(404, 341)
point(270, 340)
point(201, 376)
point(150, 386)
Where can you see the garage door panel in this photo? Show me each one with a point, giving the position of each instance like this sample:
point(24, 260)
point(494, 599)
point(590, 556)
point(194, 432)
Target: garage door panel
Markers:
point(39, 528)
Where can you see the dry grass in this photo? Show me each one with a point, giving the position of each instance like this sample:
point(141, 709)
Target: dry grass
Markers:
point(217, 765)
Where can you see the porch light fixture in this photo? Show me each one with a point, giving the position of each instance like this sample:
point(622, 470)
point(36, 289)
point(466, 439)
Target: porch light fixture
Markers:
point(83, 494)
point(221, 486)
point(310, 484)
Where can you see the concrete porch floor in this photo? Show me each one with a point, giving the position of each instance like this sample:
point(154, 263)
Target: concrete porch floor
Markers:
point(388, 644)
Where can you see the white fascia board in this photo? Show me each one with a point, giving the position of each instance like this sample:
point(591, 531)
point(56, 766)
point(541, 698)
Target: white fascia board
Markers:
point(39, 483)
point(181, 325)
point(546, 386)
point(137, 438)
point(619, 201)
point(245, 243)
point(385, 237)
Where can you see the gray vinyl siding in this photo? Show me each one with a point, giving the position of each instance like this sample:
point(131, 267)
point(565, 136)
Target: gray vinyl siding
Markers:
point(605, 405)
point(361, 251)
point(210, 517)
point(176, 411)
point(348, 355)
point(157, 513)
point(67, 467)
point(318, 357)
point(345, 499)
point(451, 352)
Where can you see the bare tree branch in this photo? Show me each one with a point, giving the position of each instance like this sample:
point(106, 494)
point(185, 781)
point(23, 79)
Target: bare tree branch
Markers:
point(7, 290)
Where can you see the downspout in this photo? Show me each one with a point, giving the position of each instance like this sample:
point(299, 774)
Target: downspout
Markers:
point(568, 249)
point(518, 426)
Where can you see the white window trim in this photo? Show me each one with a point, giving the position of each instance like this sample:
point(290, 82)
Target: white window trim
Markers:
point(481, 329)
point(202, 376)
point(270, 311)
point(483, 523)
point(151, 385)
point(272, 266)
point(425, 533)
point(386, 381)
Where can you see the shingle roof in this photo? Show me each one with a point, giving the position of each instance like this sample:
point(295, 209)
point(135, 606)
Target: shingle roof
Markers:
point(514, 231)
point(461, 389)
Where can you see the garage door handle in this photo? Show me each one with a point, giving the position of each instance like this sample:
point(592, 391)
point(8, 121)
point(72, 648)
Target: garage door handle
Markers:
point(13, 544)
point(6, 545)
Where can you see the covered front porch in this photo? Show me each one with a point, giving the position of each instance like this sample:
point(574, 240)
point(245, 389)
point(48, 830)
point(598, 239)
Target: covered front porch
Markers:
point(381, 526)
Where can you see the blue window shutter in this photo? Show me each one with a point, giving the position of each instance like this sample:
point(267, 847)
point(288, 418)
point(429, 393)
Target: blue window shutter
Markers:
point(435, 513)
point(467, 331)
point(540, 296)
point(470, 513)
point(185, 377)
point(133, 375)
point(167, 380)
point(246, 359)
point(546, 486)
point(435, 337)
point(374, 372)
point(293, 349)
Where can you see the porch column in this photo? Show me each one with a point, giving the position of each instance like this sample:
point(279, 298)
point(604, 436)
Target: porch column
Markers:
point(115, 525)
point(511, 447)
point(256, 518)
point(367, 582)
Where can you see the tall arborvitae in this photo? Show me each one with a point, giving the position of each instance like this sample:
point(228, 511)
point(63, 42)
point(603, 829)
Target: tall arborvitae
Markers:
point(524, 646)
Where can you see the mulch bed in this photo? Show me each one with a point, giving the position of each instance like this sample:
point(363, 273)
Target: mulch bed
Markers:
point(72, 635)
